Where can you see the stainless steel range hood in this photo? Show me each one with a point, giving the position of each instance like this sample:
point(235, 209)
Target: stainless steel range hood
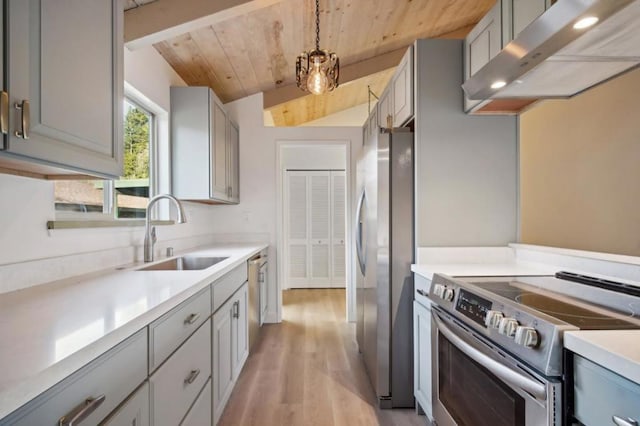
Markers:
point(552, 59)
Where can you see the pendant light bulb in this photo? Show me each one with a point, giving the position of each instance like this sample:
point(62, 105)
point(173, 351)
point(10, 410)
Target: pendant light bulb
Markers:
point(317, 81)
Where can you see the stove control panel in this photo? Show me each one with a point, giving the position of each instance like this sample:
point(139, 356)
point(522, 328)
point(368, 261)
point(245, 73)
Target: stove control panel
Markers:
point(527, 336)
point(508, 327)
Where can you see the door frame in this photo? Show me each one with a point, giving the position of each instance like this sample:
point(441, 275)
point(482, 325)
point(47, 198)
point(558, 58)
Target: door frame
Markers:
point(349, 184)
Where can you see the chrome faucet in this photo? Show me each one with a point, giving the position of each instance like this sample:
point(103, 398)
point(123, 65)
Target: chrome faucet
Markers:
point(150, 231)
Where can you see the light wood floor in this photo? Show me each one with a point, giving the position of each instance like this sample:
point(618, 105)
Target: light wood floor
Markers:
point(307, 371)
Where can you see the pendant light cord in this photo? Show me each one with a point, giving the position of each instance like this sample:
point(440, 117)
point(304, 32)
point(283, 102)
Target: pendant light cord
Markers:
point(317, 24)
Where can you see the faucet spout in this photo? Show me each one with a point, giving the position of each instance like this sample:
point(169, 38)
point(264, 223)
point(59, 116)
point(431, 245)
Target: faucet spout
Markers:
point(150, 231)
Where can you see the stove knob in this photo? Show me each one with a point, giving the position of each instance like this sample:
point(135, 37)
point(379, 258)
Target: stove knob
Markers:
point(508, 326)
point(493, 318)
point(527, 336)
point(448, 294)
point(438, 290)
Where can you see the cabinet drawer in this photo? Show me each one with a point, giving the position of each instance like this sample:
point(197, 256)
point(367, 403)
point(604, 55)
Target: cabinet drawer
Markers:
point(600, 394)
point(114, 375)
point(224, 287)
point(200, 413)
point(134, 412)
point(176, 384)
point(169, 331)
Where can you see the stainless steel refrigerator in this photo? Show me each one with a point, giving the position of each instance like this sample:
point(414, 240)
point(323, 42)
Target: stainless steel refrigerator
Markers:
point(384, 253)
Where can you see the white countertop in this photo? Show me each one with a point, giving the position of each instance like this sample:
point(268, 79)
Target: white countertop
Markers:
point(48, 332)
point(483, 269)
point(616, 350)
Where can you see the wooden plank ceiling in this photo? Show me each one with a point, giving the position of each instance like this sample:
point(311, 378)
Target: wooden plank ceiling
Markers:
point(256, 52)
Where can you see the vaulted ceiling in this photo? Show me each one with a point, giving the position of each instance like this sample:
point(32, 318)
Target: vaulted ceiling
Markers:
point(255, 51)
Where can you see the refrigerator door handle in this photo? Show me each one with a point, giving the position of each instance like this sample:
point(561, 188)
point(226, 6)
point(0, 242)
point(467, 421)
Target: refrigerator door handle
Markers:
point(359, 222)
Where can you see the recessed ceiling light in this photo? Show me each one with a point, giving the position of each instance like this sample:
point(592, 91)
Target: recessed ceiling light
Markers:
point(585, 22)
point(498, 84)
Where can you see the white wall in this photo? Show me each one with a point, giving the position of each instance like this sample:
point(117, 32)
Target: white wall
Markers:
point(27, 204)
point(310, 157)
point(258, 208)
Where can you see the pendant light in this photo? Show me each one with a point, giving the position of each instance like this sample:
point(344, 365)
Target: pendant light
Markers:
point(317, 71)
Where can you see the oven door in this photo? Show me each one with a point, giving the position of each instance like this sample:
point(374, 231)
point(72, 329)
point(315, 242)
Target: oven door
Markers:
point(476, 384)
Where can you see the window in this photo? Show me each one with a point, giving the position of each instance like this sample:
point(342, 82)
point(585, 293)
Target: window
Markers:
point(125, 198)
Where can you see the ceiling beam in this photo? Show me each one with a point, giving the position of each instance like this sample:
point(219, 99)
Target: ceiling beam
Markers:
point(348, 73)
point(165, 19)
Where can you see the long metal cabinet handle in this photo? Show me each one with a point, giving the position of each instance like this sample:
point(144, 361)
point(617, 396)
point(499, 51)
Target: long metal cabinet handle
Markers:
point(82, 411)
point(619, 421)
point(193, 375)
point(361, 260)
point(25, 118)
point(503, 372)
point(192, 318)
point(236, 309)
point(4, 113)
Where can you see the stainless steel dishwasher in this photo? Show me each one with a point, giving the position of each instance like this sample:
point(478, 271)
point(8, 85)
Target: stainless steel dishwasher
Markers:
point(257, 294)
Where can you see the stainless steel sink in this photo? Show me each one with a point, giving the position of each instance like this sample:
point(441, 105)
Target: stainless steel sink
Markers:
point(184, 263)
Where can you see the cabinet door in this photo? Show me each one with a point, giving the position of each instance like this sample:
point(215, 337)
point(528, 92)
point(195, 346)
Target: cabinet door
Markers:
point(222, 372)
point(403, 90)
point(385, 108)
point(66, 63)
point(219, 188)
point(240, 331)
point(320, 226)
point(522, 13)
point(134, 412)
point(234, 162)
point(296, 224)
point(484, 42)
point(422, 357)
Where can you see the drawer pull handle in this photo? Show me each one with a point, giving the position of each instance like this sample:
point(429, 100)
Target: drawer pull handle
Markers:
point(81, 412)
point(619, 421)
point(25, 119)
point(191, 319)
point(193, 375)
point(236, 309)
point(422, 293)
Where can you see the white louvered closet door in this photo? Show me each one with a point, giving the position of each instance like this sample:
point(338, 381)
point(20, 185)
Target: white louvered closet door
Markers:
point(338, 234)
point(320, 227)
point(315, 229)
point(296, 230)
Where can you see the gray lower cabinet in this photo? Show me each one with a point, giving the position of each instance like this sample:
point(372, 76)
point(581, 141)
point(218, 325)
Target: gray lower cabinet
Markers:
point(230, 346)
point(200, 413)
point(222, 357)
point(601, 397)
point(64, 79)
point(175, 385)
point(96, 389)
point(134, 412)
point(422, 372)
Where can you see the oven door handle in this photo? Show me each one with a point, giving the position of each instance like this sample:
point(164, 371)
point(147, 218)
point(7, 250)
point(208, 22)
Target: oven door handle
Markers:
point(503, 372)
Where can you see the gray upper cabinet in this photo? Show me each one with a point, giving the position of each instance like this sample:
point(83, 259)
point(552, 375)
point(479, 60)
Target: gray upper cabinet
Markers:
point(219, 186)
point(403, 90)
point(504, 22)
point(64, 79)
point(233, 163)
point(204, 145)
point(395, 106)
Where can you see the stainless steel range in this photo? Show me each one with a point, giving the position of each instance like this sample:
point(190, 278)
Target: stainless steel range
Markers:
point(497, 343)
